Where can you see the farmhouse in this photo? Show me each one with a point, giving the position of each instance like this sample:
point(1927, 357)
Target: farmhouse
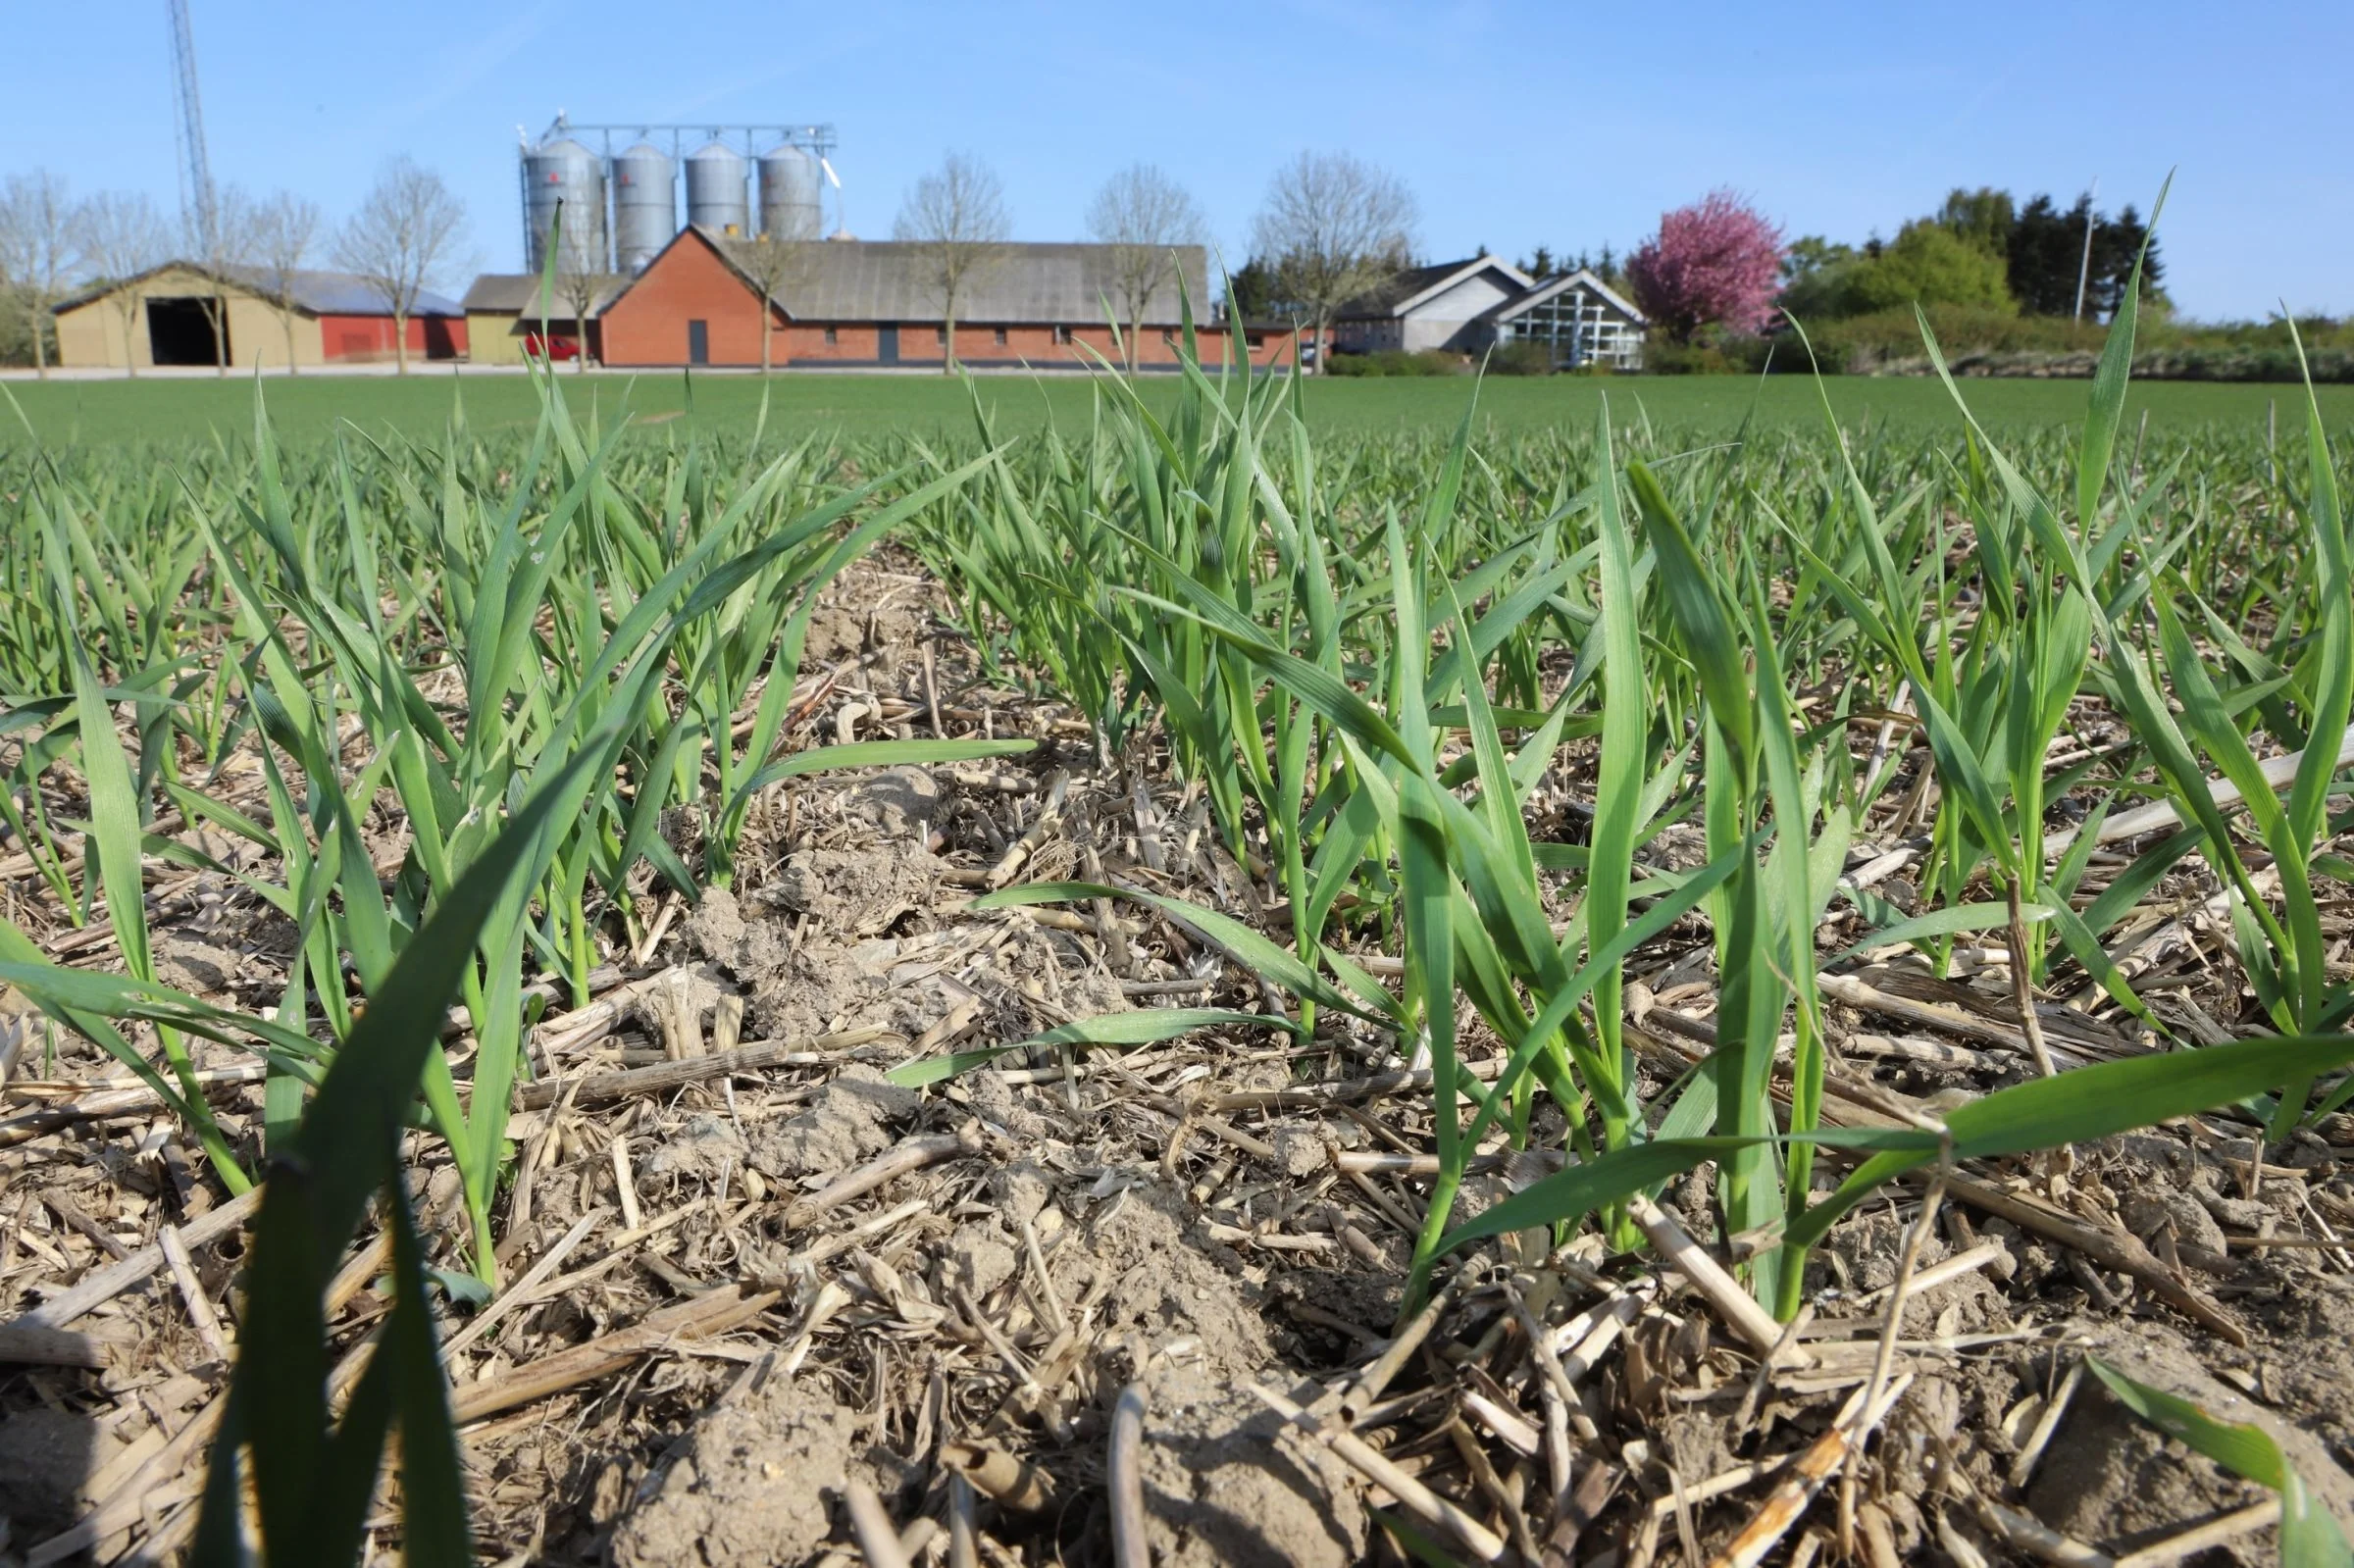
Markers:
point(166, 316)
point(852, 303)
point(1467, 306)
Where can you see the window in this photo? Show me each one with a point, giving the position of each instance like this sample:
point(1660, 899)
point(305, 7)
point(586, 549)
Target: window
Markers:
point(1000, 337)
point(832, 337)
point(1168, 335)
point(1256, 339)
point(1581, 329)
point(1062, 334)
point(939, 335)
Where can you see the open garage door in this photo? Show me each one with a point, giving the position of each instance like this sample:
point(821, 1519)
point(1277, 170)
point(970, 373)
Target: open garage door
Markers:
point(179, 332)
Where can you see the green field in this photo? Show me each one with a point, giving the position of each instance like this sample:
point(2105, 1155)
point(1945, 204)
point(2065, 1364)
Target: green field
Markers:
point(1445, 743)
point(79, 412)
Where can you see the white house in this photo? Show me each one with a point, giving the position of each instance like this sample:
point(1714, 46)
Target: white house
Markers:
point(1466, 306)
point(1581, 318)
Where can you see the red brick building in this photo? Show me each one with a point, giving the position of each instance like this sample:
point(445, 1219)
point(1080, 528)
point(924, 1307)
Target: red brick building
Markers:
point(857, 304)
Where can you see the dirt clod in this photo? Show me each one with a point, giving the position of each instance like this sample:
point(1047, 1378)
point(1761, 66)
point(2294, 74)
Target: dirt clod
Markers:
point(1225, 1482)
point(2147, 1213)
point(1301, 1149)
point(200, 968)
point(857, 892)
point(1022, 1188)
point(979, 1258)
point(999, 1103)
point(752, 1489)
point(849, 1122)
point(46, 1457)
point(1170, 1284)
point(705, 1147)
point(2111, 1478)
point(902, 801)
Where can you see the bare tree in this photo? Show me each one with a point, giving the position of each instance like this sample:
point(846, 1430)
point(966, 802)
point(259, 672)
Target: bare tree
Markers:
point(36, 250)
point(1144, 215)
point(401, 236)
point(225, 246)
point(957, 215)
point(579, 290)
point(119, 235)
point(284, 231)
point(775, 265)
point(576, 285)
point(1334, 226)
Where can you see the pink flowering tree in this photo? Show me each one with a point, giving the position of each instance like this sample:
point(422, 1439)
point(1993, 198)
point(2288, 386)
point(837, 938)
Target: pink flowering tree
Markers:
point(1715, 263)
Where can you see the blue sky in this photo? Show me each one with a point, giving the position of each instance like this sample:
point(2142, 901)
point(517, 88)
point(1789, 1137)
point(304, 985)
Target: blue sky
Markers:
point(1514, 125)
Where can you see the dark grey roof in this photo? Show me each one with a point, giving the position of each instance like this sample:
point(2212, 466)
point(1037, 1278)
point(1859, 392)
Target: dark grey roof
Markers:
point(1404, 285)
point(315, 293)
point(340, 293)
point(518, 292)
point(885, 280)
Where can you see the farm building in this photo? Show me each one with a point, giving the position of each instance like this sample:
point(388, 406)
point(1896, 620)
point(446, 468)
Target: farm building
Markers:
point(165, 315)
point(854, 303)
point(503, 317)
point(1466, 306)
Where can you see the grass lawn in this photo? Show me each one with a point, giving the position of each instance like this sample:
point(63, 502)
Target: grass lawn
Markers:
point(77, 412)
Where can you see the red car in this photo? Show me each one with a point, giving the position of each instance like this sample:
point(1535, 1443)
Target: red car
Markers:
point(550, 348)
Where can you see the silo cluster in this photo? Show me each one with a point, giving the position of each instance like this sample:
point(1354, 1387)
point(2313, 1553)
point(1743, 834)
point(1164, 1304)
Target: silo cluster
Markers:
point(619, 213)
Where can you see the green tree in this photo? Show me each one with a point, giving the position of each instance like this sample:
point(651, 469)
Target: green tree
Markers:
point(1817, 279)
point(1984, 217)
point(1254, 285)
point(2046, 258)
point(2046, 248)
point(1929, 264)
point(2116, 244)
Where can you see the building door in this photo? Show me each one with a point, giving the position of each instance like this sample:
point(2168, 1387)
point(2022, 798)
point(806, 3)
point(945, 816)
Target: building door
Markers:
point(698, 342)
point(887, 343)
point(179, 332)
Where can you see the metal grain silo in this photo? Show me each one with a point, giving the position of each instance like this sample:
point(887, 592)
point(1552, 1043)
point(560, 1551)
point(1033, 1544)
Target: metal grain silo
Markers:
point(563, 170)
point(788, 193)
point(715, 195)
point(646, 207)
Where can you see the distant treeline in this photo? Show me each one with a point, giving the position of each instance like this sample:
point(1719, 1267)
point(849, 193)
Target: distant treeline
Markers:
point(1981, 340)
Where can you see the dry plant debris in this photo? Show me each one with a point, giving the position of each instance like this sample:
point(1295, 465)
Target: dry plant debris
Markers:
point(823, 1304)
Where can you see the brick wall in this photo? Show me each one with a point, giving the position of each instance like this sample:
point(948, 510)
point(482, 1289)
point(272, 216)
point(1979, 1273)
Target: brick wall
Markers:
point(1013, 344)
point(687, 282)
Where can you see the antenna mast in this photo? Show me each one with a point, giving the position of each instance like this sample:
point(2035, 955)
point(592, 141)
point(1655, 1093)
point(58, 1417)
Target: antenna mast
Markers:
point(196, 204)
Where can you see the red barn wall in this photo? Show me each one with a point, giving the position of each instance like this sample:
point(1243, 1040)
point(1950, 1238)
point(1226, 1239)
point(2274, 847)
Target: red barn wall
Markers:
point(365, 337)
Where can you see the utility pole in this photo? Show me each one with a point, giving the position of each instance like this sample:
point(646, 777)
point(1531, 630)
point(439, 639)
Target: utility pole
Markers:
point(196, 204)
point(2085, 267)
